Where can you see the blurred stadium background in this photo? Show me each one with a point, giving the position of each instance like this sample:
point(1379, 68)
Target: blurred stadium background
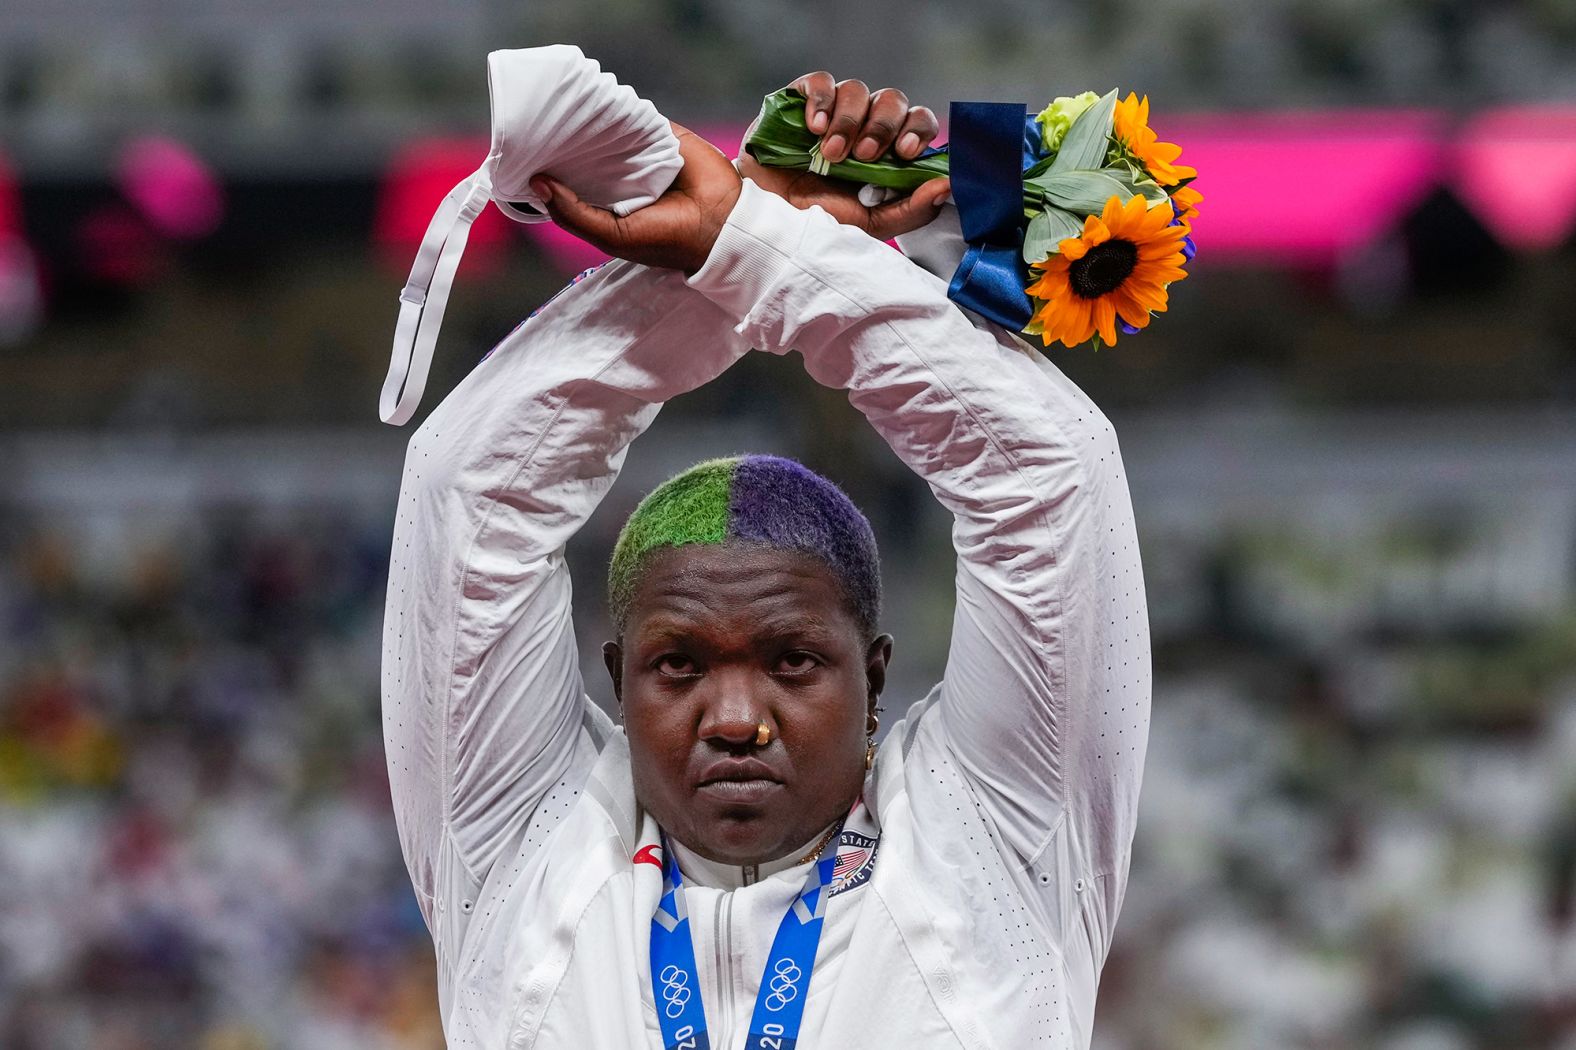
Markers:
point(1351, 445)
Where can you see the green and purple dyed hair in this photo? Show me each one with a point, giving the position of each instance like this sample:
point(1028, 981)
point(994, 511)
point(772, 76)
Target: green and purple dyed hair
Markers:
point(764, 500)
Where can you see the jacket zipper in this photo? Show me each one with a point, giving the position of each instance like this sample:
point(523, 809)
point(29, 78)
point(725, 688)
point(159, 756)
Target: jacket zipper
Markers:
point(723, 939)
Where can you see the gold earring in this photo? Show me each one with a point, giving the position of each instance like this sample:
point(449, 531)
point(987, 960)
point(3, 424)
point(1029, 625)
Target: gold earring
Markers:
point(871, 726)
point(763, 735)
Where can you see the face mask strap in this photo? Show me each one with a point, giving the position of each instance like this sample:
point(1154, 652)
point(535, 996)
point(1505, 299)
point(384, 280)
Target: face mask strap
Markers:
point(426, 294)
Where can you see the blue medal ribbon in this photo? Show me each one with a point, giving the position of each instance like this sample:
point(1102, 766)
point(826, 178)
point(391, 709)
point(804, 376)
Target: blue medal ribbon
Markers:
point(785, 983)
point(991, 145)
point(675, 980)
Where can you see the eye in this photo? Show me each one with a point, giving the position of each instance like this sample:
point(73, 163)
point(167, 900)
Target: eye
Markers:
point(797, 661)
point(674, 665)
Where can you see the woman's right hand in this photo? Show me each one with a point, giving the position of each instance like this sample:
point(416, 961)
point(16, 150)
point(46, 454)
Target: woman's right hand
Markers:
point(677, 230)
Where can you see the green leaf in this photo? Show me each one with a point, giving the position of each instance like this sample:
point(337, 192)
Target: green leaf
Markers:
point(1082, 192)
point(1139, 182)
point(1046, 232)
point(1085, 144)
point(1039, 167)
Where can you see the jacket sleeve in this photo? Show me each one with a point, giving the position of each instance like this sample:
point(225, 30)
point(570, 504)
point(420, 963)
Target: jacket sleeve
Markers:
point(486, 722)
point(1045, 702)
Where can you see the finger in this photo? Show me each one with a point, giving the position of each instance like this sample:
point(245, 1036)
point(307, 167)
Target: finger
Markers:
point(848, 116)
point(888, 107)
point(904, 216)
point(920, 129)
point(820, 93)
point(596, 226)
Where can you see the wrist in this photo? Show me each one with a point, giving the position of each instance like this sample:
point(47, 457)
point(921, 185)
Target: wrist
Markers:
point(751, 252)
point(713, 216)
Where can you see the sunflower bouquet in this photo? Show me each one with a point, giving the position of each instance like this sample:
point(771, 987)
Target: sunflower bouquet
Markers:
point(1106, 213)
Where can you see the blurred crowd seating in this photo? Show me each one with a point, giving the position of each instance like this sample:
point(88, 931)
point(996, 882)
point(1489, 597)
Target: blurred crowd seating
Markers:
point(1359, 811)
point(196, 841)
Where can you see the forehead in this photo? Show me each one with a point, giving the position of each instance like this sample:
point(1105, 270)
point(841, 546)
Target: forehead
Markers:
point(738, 585)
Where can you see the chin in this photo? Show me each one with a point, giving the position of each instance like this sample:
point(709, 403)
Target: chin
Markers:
point(741, 840)
point(744, 825)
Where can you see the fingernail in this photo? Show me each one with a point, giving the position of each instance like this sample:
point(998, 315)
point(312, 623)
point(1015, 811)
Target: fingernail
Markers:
point(818, 122)
point(868, 149)
point(908, 143)
point(543, 188)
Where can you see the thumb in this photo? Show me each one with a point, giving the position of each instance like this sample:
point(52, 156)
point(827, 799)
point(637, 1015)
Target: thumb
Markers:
point(600, 227)
point(911, 212)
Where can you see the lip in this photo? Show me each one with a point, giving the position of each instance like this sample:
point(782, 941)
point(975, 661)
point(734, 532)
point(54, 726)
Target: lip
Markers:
point(737, 780)
point(738, 791)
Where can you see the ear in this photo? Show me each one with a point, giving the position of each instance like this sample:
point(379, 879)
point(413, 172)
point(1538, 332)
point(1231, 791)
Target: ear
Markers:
point(877, 657)
point(613, 656)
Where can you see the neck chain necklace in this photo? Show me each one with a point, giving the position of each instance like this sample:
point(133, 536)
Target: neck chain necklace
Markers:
point(752, 872)
point(815, 850)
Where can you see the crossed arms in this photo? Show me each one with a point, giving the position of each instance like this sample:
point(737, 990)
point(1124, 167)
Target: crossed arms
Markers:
point(1045, 698)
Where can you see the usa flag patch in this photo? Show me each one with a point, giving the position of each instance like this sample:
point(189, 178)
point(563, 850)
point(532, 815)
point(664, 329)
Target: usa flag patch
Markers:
point(856, 860)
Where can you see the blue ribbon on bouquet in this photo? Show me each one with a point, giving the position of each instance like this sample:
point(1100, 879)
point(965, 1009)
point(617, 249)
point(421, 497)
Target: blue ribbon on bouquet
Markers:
point(991, 145)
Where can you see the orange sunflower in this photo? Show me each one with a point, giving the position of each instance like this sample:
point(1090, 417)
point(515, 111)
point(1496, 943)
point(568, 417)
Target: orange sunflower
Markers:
point(1119, 265)
point(1132, 129)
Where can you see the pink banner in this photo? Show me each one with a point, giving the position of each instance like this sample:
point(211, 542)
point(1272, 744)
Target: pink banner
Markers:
point(1304, 188)
point(1517, 169)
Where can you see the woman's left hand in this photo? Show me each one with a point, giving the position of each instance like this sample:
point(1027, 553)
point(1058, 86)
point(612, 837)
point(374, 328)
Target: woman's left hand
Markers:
point(853, 121)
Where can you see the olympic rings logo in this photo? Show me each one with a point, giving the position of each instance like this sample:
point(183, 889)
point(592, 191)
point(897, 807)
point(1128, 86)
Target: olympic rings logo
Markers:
point(783, 984)
point(675, 990)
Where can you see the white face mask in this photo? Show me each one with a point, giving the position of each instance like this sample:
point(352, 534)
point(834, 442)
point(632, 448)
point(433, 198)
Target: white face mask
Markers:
point(553, 110)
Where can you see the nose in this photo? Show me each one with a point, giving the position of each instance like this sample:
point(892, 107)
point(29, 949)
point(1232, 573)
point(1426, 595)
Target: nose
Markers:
point(731, 714)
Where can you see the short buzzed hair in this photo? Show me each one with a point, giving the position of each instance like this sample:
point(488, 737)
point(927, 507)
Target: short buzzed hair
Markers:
point(759, 500)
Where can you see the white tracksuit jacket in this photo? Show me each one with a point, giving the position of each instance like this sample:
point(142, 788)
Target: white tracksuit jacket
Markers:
point(1003, 805)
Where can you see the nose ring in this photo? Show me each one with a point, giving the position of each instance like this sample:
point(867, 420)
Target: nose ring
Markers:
point(763, 735)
